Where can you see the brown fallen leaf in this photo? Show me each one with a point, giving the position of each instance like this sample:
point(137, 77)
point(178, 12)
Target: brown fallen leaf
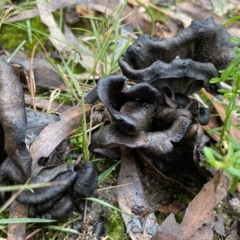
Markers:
point(219, 225)
point(53, 134)
point(213, 123)
point(169, 208)
point(197, 12)
point(233, 236)
point(140, 226)
point(199, 217)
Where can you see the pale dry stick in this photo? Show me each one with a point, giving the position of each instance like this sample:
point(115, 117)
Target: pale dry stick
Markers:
point(72, 221)
point(85, 226)
point(58, 39)
point(79, 159)
point(89, 130)
point(46, 17)
point(113, 187)
point(55, 94)
point(30, 235)
point(4, 231)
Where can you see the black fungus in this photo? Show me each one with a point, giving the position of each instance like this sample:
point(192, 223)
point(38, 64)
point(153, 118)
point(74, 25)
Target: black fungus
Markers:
point(158, 116)
point(141, 119)
point(86, 182)
point(13, 120)
point(41, 195)
point(19, 127)
point(70, 182)
point(184, 63)
point(62, 208)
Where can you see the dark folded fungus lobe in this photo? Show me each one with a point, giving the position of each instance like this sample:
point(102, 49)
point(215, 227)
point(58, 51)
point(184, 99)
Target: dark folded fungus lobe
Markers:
point(19, 127)
point(184, 63)
point(145, 118)
point(70, 182)
point(13, 120)
point(157, 116)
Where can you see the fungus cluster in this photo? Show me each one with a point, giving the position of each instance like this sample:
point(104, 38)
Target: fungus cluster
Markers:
point(156, 116)
point(70, 183)
point(158, 113)
point(18, 129)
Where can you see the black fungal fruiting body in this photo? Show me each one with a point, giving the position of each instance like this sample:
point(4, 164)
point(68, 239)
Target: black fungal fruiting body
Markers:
point(192, 58)
point(57, 201)
point(14, 122)
point(157, 116)
point(70, 182)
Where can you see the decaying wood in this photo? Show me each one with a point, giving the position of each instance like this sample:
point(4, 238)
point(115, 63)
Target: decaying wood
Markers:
point(17, 231)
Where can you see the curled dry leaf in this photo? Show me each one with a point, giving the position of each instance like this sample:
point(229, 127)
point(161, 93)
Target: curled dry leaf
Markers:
point(139, 225)
point(54, 133)
point(199, 216)
point(233, 236)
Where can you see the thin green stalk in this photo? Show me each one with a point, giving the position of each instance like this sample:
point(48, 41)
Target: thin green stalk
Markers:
point(16, 51)
point(227, 122)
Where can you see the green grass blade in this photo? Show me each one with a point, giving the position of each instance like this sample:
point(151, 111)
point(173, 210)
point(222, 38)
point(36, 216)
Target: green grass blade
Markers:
point(63, 229)
point(106, 173)
point(25, 220)
point(16, 51)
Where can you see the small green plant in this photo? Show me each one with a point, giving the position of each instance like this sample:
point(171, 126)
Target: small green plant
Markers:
point(228, 158)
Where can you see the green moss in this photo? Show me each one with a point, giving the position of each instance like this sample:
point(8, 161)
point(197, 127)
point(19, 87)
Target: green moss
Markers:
point(179, 217)
point(115, 226)
point(160, 217)
point(183, 198)
point(12, 34)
